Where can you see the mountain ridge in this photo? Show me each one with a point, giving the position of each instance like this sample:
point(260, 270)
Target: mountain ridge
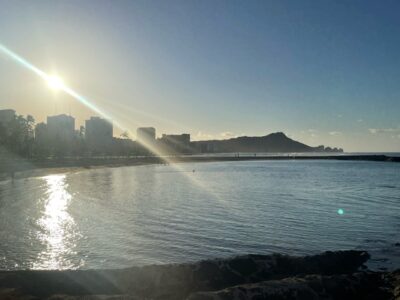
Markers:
point(277, 142)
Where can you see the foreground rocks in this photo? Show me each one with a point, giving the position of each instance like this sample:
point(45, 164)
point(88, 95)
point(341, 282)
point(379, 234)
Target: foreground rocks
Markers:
point(310, 287)
point(331, 275)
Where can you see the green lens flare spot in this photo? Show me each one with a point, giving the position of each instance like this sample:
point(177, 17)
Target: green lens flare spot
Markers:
point(340, 211)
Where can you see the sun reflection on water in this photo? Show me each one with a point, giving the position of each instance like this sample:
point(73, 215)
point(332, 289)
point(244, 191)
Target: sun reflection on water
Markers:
point(57, 227)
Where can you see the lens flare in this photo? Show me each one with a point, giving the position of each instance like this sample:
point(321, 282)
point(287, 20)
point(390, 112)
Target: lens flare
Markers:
point(58, 84)
point(55, 82)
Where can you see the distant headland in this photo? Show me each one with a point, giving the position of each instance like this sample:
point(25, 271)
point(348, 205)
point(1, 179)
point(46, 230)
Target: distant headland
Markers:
point(272, 143)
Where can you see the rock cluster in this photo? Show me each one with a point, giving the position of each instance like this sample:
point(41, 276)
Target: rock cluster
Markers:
point(330, 275)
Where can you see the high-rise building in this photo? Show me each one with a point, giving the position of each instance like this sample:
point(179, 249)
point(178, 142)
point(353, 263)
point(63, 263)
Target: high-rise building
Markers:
point(41, 133)
point(146, 135)
point(6, 115)
point(98, 132)
point(176, 142)
point(176, 139)
point(43, 143)
point(61, 128)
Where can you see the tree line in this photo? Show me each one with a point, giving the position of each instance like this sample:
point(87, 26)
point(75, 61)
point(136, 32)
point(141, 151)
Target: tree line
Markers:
point(18, 140)
point(17, 136)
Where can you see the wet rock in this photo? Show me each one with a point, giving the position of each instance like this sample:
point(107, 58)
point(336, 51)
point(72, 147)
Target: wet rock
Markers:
point(311, 287)
point(394, 279)
point(178, 281)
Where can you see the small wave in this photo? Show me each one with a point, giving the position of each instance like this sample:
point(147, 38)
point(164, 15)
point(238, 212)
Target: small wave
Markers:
point(388, 186)
point(373, 241)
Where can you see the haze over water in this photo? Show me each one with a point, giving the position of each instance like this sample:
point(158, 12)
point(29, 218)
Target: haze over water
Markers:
point(121, 217)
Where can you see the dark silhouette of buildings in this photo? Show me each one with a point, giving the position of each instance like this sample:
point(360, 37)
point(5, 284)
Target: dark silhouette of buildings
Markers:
point(146, 135)
point(60, 134)
point(146, 141)
point(42, 138)
point(98, 133)
point(59, 138)
point(175, 143)
point(6, 116)
point(61, 128)
point(181, 139)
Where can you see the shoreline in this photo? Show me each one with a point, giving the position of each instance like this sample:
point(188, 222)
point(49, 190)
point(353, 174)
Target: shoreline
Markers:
point(24, 168)
point(329, 275)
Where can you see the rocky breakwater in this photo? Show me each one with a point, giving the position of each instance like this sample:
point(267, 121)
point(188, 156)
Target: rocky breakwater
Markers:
point(330, 275)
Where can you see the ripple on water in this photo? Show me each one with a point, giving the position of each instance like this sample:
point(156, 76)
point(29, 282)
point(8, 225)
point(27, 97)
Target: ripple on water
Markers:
point(113, 218)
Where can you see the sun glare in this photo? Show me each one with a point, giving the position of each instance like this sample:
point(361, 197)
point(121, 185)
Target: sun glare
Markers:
point(55, 82)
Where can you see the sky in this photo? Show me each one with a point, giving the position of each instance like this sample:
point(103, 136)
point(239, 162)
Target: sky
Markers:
point(323, 72)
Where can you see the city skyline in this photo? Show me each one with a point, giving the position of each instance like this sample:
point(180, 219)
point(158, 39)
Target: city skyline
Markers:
point(214, 71)
point(59, 138)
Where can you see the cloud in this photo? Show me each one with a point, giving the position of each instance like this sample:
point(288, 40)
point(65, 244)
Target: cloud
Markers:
point(227, 134)
point(309, 132)
point(383, 130)
point(335, 133)
point(204, 136)
point(360, 120)
point(312, 132)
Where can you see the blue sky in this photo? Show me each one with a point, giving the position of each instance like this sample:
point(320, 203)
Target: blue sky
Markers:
point(324, 72)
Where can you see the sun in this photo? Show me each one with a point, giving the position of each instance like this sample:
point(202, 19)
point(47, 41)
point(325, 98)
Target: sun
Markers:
point(55, 82)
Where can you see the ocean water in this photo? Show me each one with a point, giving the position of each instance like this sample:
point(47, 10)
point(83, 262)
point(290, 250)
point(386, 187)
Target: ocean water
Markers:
point(132, 216)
